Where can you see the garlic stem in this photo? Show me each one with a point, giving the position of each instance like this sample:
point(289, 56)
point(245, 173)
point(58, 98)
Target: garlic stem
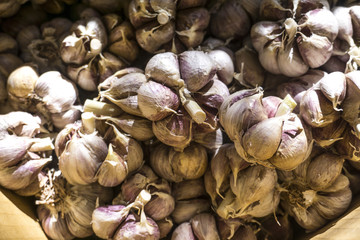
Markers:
point(286, 106)
point(163, 18)
point(191, 106)
point(41, 145)
point(88, 122)
point(95, 46)
point(101, 108)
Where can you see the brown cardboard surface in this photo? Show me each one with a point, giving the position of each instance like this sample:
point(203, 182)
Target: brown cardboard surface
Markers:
point(17, 218)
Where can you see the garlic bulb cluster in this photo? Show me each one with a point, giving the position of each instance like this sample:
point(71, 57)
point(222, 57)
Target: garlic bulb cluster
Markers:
point(294, 36)
point(238, 190)
point(265, 133)
point(84, 50)
point(201, 226)
point(169, 25)
point(23, 154)
point(51, 94)
point(65, 210)
point(123, 222)
point(316, 191)
point(39, 45)
point(190, 199)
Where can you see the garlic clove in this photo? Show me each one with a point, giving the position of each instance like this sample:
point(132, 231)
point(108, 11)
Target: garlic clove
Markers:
point(249, 70)
point(348, 145)
point(139, 128)
point(204, 227)
point(290, 62)
point(60, 120)
point(331, 167)
point(333, 86)
point(295, 145)
point(188, 189)
point(174, 130)
point(121, 89)
point(219, 166)
point(106, 219)
point(160, 206)
point(146, 228)
point(81, 158)
point(56, 92)
point(211, 140)
point(212, 95)
point(122, 42)
point(355, 17)
point(315, 50)
point(191, 25)
point(264, 147)
point(268, 57)
point(156, 101)
point(264, 32)
point(328, 135)
point(196, 68)
point(224, 65)
point(53, 224)
point(183, 232)
point(186, 209)
point(33, 188)
point(230, 21)
point(21, 176)
point(152, 36)
point(13, 150)
point(164, 68)
point(165, 227)
point(316, 109)
point(113, 170)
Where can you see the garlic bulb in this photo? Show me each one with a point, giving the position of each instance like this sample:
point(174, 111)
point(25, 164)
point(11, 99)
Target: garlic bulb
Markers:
point(158, 24)
point(238, 190)
point(88, 38)
point(124, 156)
point(120, 222)
point(176, 166)
point(230, 19)
point(65, 210)
point(302, 38)
point(80, 151)
point(122, 40)
point(316, 190)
